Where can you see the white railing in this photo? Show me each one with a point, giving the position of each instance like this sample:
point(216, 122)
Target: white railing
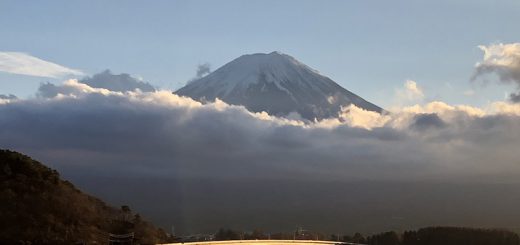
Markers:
point(266, 242)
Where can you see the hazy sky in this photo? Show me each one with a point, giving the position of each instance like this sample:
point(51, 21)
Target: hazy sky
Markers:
point(369, 47)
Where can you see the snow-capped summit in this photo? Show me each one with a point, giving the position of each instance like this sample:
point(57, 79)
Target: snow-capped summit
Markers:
point(276, 83)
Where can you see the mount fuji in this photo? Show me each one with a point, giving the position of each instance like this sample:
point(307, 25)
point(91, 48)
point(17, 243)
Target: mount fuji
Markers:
point(277, 84)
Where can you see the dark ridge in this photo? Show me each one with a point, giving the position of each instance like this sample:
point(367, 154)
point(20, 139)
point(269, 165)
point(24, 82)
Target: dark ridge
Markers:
point(38, 207)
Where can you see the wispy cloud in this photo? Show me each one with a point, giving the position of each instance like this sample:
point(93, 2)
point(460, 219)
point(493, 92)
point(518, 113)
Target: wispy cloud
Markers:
point(412, 90)
point(469, 92)
point(25, 64)
point(410, 93)
point(203, 69)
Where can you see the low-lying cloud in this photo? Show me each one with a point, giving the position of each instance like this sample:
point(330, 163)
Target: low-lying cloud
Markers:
point(186, 152)
point(25, 64)
point(203, 166)
point(207, 138)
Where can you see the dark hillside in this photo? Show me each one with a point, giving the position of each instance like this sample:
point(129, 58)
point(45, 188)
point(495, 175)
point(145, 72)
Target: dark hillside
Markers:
point(37, 206)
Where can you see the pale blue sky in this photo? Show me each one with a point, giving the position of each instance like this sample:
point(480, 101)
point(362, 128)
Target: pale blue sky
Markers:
point(369, 47)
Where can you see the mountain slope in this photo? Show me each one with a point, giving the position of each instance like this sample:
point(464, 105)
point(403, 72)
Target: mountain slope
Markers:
point(276, 83)
point(37, 206)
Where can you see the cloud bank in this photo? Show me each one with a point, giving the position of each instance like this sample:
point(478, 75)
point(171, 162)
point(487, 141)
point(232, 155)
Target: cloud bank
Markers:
point(25, 64)
point(171, 156)
point(204, 166)
point(75, 116)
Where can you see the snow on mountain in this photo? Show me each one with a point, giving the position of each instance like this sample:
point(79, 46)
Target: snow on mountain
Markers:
point(276, 83)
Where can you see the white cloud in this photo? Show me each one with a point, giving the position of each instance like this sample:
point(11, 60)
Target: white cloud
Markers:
point(498, 56)
point(410, 93)
point(502, 60)
point(25, 64)
point(412, 89)
point(501, 107)
point(358, 117)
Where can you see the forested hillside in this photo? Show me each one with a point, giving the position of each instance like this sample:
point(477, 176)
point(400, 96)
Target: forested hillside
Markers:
point(37, 206)
point(446, 236)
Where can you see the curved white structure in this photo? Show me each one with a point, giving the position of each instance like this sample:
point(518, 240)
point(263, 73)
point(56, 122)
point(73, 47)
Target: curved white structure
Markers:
point(265, 242)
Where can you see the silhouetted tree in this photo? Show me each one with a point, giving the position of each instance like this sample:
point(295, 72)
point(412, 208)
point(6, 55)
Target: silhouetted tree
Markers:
point(358, 238)
point(386, 238)
point(226, 234)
